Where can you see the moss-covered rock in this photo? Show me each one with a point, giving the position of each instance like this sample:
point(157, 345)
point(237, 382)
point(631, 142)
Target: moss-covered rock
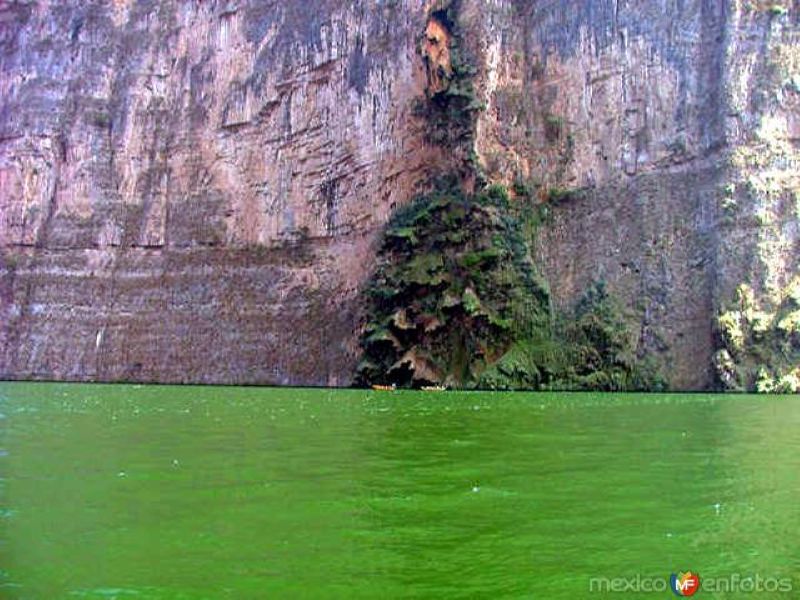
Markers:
point(442, 307)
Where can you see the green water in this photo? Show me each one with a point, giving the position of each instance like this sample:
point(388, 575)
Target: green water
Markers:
point(163, 492)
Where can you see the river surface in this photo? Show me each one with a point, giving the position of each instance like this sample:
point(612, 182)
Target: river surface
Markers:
point(210, 492)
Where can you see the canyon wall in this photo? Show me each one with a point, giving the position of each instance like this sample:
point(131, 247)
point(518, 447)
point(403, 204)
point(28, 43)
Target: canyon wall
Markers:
point(192, 191)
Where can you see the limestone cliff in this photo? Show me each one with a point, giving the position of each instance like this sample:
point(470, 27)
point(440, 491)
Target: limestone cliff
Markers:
point(192, 191)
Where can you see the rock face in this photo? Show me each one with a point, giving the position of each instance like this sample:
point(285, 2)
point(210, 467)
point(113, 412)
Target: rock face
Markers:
point(192, 191)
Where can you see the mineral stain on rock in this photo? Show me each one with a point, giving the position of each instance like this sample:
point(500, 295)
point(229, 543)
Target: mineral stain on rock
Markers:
point(436, 52)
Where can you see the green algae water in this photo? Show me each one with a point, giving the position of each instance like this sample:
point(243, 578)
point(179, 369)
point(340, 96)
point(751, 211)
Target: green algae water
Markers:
point(206, 492)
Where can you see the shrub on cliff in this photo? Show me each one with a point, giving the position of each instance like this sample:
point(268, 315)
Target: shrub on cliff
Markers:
point(759, 347)
point(603, 348)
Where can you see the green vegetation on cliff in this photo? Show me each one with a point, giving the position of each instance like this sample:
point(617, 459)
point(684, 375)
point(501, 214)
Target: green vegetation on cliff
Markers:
point(603, 347)
point(760, 348)
point(457, 299)
point(455, 287)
